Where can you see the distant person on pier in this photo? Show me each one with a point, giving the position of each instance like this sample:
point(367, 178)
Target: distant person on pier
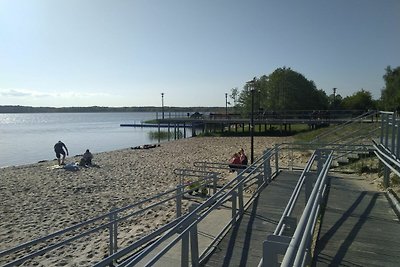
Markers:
point(86, 159)
point(59, 149)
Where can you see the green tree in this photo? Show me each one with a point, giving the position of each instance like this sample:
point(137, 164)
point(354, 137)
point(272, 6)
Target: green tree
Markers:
point(234, 95)
point(361, 100)
point(335, 101)
point(390, 94)
point(283, 89)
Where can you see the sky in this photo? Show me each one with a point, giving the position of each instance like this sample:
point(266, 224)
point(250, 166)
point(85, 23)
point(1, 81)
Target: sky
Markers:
point(118, 53)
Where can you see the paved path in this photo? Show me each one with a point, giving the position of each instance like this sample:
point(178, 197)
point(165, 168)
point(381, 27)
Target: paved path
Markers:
point(359, 227)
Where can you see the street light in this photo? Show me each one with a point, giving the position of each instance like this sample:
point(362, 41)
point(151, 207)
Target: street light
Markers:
point(162, 105)
point(226, 105)
point(334, 97)
point(251, 86)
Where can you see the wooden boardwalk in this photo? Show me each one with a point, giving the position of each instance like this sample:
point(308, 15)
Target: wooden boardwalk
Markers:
point(242, 246)
point(359, 228)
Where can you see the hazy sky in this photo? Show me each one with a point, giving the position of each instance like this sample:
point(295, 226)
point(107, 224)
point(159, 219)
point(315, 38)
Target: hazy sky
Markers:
point(126, 53)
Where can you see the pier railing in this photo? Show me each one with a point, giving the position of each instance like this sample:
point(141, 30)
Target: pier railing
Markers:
point(295, 244)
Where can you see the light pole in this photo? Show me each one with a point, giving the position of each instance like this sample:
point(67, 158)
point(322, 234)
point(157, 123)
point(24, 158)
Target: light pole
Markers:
point(226, 105)
point(251, 86)
point(334, 97)
point(162, 105)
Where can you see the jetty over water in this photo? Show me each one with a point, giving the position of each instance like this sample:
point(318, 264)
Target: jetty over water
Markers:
point(263, 122)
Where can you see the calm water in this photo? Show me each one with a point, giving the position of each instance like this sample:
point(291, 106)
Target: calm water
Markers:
point(29, 138)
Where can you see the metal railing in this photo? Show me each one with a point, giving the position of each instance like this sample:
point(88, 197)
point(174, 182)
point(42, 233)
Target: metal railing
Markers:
point(235, 193)
point(388, 148)
point(296, 247)
point(106, 223)
point(332, 135)
point(185, 230)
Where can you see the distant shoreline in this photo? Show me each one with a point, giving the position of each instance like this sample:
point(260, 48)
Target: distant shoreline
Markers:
point(30, 109)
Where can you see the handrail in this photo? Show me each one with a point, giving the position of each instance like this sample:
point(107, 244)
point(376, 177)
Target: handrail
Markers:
point(293, 198)
point(389, 135)
point(199, 213)
point(294, 255)
point(341, 126)
point(274, 243)
point(386, 157)
point(101, 225)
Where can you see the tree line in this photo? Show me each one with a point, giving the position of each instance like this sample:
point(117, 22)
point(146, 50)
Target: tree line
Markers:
point(29, 109)
point(286, 89)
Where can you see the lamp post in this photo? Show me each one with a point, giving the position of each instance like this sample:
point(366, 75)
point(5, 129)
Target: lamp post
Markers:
point(334, 97)
point(226, 105)
point(251, 86)
point(162, 105)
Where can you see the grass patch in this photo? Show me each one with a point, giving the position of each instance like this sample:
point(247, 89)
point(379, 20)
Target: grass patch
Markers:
point(365, 164)
point(163, 135)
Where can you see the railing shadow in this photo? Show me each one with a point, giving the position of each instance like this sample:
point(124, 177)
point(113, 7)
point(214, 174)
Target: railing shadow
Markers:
point(351, 236)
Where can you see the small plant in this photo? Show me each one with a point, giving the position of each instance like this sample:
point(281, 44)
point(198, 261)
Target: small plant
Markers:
point(395, 180)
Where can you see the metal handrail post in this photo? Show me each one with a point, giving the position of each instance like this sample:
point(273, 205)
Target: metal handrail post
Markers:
point(194, 241)
point(260, 179)
point(291, 158)
point(185, 250)
point(240, 194)
point(178, 201)
point(398, 140)
point(382, 127)
point(393, 131)
point(113, 232)
point(276, 158)
point(234, 204)
point(215, 178)
point(320, 163)
point(116, 232)
point(387, 131)
point(267, 167)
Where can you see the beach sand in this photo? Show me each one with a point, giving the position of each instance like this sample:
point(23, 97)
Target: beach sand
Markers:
point(38, 200)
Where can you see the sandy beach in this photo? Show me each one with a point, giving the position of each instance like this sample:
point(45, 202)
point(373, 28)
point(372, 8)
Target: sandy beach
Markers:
point(38, 200)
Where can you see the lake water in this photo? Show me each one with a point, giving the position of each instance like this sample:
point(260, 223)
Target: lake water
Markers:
point(29, 138)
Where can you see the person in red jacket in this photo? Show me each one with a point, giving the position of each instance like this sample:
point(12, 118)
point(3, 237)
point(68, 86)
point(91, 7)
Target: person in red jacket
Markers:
point(234, 162)
point(243, 157)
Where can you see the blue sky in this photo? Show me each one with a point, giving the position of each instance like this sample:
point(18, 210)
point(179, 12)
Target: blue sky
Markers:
point(126, 53)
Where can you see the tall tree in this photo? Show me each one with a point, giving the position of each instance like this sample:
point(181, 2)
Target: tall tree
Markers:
point(361, 100)
point(283, 89)
point(390, 94)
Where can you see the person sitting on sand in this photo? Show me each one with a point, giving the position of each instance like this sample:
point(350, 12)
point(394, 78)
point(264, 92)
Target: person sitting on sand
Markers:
point(234, 162)
point(145, 146)
point(59, 149)
point(243, 157)
point(86, 159)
